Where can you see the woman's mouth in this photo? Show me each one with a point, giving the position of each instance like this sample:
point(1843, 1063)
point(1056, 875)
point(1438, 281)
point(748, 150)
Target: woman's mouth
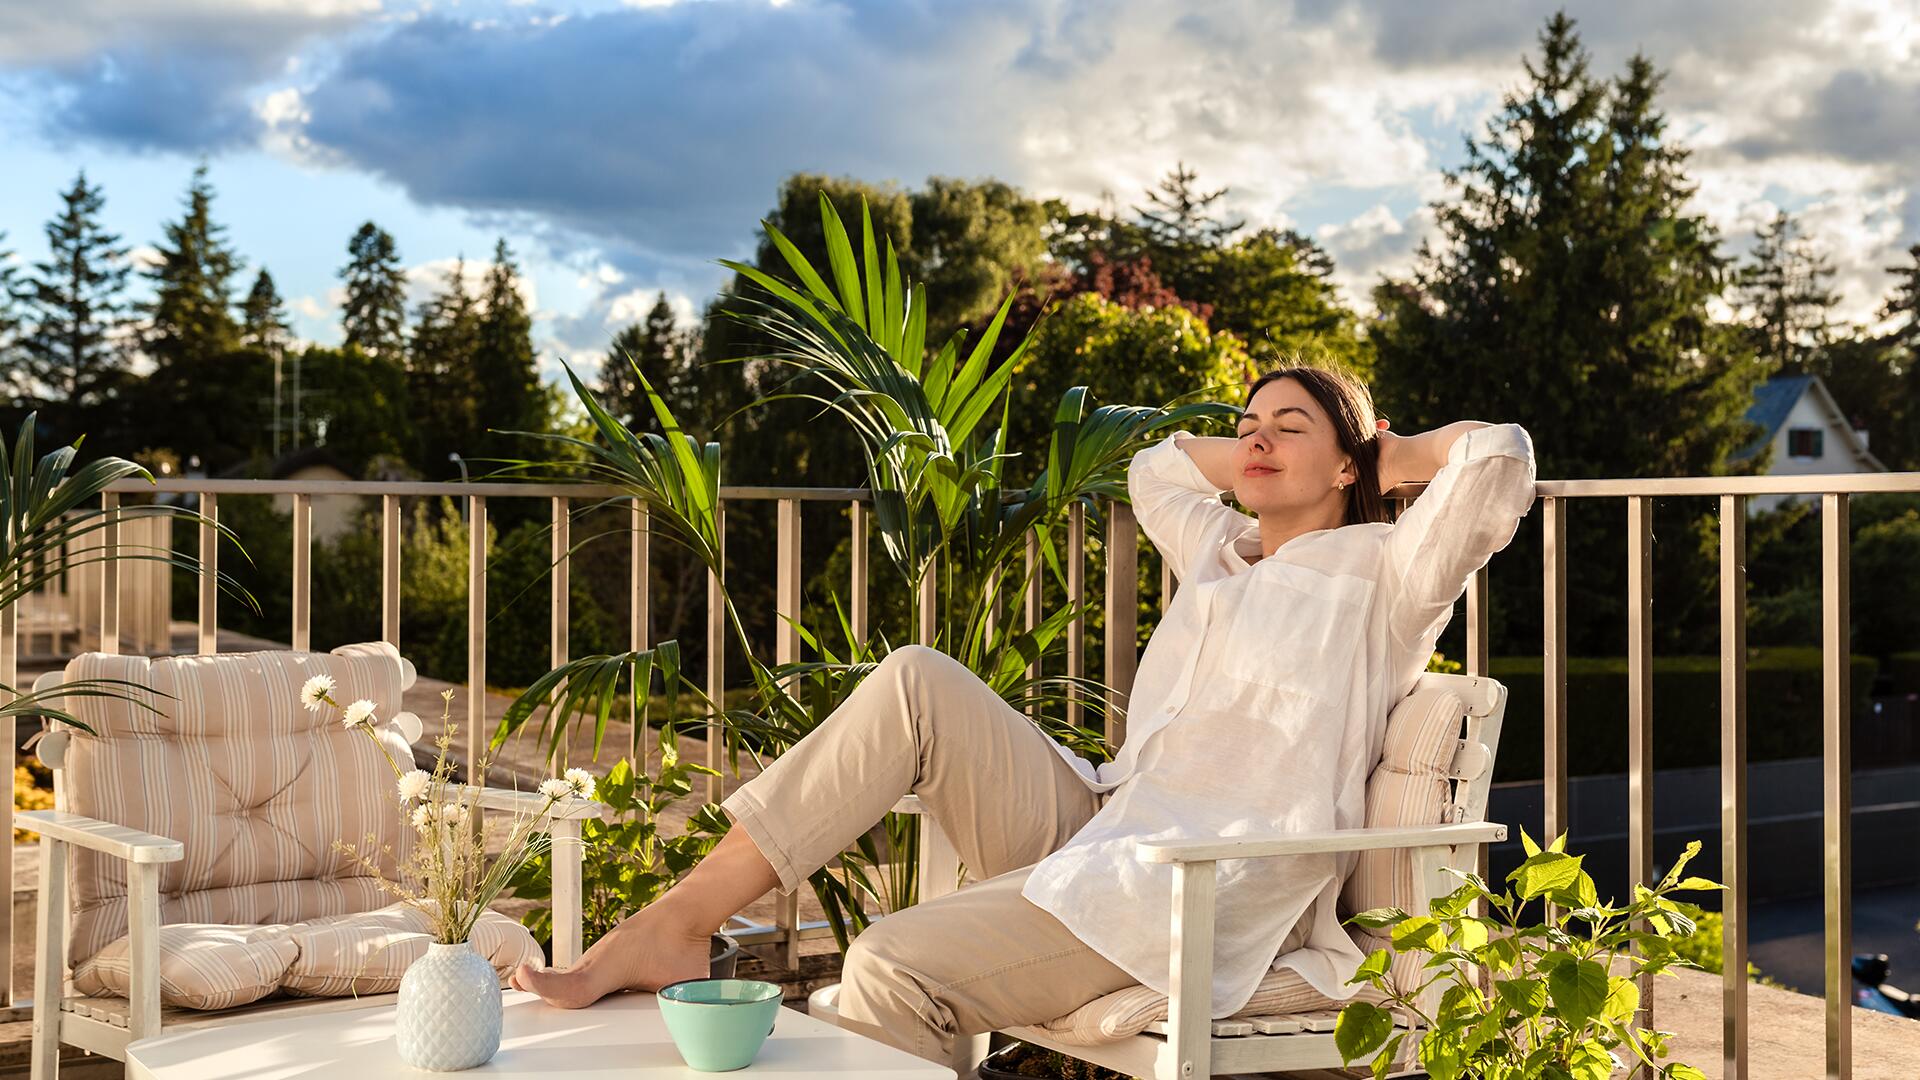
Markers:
point(1258, 470)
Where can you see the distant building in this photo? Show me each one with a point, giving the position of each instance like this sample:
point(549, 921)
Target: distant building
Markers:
point(1809, 433)
point(332, 514)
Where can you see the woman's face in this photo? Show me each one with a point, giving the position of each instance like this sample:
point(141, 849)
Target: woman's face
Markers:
point(1287, 458)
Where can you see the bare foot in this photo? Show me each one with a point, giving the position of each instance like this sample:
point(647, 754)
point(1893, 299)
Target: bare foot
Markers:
point(646, 952)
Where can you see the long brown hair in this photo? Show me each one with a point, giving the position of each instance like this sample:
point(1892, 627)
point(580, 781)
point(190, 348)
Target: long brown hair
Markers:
point(1348, 402)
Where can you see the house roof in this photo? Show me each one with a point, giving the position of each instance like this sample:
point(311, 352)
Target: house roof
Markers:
point(1774, 399)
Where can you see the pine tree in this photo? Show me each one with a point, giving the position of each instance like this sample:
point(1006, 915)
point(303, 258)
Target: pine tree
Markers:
point(375, 313)
point(264, 323)
point(71, 354)
point(440, 381)
point(664, 353)
point(1903, 303)
point(191, 316)
point(10, 367)
point(506, 378)
point(1785, 286)
point(1181, 215)
point(1571, 291)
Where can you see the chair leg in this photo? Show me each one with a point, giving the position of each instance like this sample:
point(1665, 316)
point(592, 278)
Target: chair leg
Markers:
point(143, 924)
point(51, 948)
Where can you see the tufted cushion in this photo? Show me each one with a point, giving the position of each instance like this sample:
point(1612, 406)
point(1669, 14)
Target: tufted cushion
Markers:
point(1409, 786)
point(256, 787)
point(206, 966)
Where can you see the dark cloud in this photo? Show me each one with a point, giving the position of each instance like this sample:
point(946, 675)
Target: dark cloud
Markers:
point(158, 74)
point(667, 127)
point(144, 101)
point(1857, 116)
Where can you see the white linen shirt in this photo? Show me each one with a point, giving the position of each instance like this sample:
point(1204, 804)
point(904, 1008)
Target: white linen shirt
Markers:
point(1260, 707)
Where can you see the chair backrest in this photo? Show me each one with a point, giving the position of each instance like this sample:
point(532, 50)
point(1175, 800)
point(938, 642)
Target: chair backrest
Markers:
point(1436, 767)
point(223, 757)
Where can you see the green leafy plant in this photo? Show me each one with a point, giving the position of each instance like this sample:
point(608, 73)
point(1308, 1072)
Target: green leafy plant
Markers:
point(853, 339)
point(1556, 1009)
point(52, 524)
point(628, 863)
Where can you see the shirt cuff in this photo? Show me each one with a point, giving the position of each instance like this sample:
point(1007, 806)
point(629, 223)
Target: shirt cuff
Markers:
point(1495, 440)
point(1166, 461)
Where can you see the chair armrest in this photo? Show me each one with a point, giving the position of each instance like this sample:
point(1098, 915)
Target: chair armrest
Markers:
point(116, 840)
point(530, 802)
point(1336, 840)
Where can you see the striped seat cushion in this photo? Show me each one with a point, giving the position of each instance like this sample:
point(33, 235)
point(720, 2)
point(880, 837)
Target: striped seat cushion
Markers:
point(1127, 1012)
point(205, 966)
point(223, 758)
point(1409, 786)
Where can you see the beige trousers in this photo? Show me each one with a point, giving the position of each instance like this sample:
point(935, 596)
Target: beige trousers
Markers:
point(977, 959)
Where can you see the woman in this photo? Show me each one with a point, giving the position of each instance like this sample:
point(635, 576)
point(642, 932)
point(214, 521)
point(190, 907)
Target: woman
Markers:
point(1259, 707)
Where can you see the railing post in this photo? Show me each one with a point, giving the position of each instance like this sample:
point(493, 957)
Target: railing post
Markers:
point(1640, 711)
point(1557, 817)
point(390, 569)
point(717, 655)
point(9, 677)
point(926, 605)
point(857, 604)
point(1032, 612)
point(110, 575)
point(1076, 557)
point(1478, 635)
point(786, 647)
point(1836, 659)
point(639, 628)
point(1733, 785)
point(209, 575)
point(477, 736)
point(1123, 615)
point(302, 572)
point(561, 596)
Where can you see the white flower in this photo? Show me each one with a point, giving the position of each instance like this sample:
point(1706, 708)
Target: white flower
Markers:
point(580, 782)
point(423, 816)
point(314, 693)
point(414, 785)
point(556, 788)
point(455, 813)
point(360, 712)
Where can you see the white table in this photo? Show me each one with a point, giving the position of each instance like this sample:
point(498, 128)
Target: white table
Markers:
point(622, 1036)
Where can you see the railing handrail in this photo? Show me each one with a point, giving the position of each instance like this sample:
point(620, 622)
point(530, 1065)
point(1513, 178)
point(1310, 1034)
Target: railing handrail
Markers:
point(1703, 486)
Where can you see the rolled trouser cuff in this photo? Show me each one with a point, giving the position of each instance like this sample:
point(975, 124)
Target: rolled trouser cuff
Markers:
point(748, 814)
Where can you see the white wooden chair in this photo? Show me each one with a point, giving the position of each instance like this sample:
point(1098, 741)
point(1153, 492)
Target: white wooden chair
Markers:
point(1452, 724)
point(125, 878)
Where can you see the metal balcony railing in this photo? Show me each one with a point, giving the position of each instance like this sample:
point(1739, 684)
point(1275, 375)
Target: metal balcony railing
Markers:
point(1120, 588)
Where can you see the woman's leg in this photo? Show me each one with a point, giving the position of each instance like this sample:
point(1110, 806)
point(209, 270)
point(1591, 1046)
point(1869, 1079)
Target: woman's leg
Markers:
point(921, 723)
point(973, 961)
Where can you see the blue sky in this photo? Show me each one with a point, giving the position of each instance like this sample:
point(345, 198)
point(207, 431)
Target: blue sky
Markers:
point(622, 147)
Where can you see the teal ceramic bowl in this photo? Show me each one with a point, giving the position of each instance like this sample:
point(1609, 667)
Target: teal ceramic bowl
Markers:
point(719, 1024)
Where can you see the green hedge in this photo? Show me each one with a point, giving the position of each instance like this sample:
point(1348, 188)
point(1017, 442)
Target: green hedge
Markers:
point(1903, 669)
point(1783, 710)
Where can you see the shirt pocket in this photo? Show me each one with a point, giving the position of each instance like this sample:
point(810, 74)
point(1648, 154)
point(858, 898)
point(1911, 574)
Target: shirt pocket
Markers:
point(1297, 629)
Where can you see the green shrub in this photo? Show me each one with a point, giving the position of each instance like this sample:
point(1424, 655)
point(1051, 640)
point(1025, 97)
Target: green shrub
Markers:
point(1783, 709)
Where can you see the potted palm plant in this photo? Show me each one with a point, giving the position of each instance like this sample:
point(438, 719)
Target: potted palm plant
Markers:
point(51, 524)
point(930, 421)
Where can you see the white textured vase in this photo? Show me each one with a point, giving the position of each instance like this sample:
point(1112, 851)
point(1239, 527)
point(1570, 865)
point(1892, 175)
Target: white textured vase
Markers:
point(448, 1016)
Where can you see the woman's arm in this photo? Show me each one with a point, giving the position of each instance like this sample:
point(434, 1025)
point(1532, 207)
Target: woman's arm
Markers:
point(1471, 508)
point(1414, 459)
point(1214, 457)
point(1177, 499)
